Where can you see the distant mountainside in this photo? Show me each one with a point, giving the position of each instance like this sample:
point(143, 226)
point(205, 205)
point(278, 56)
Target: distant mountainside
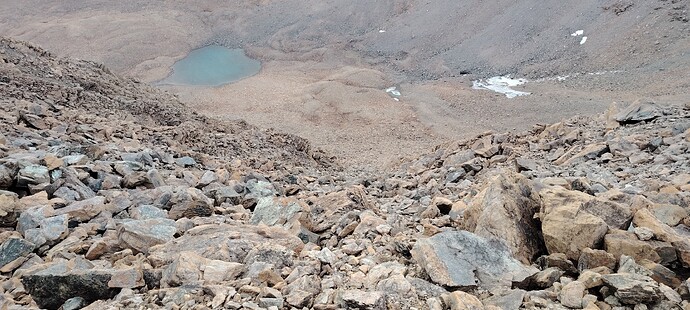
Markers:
point(82, 87)
point(419, 38)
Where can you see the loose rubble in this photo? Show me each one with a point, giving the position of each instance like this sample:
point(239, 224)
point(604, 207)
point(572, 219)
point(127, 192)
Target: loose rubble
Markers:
point(115, 196)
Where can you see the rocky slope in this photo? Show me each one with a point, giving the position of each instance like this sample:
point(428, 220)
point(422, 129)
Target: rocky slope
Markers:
point(113, 195)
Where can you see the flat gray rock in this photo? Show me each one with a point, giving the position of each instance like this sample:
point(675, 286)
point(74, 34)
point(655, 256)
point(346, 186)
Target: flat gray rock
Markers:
point(632, 288)
point(460, 259)
point(638, 111)
point(14, 248)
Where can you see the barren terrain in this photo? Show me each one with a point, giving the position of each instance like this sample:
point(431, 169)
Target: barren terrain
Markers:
point(326, 63)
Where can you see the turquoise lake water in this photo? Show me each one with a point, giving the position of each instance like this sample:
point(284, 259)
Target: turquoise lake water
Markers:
point(212, 66)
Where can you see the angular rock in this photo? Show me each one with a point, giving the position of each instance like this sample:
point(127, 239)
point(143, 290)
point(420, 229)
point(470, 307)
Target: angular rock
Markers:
point(633, 289)
point(589, 152)
point(49, 230)
point(189, 203)
point(33, 174)
point(543, 279)
point(185, 269)
point(356, 299)
point(620, 242)
point(525, 164)
point(638, 111)
point(590, 259)
point(645, 218)
point(665, 251)
point(126, 278)
point(14, 248)
point(276, 211)
point(299, 298)
point(668, 214)
point(661, 274)
point(566, 230)
point(460, 259)
point(459, 300)
point(7, 175)
point(51, 285)
point(10, 210)
point(617, 216)
point(84, 210)
point(325, 212)
point(505, 210)
point(140, 235)
point(571, 294)
point(511, 300)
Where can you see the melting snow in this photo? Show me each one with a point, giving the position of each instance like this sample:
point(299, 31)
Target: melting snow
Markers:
point(382, 31)
point(501, 84)
point(394, 92)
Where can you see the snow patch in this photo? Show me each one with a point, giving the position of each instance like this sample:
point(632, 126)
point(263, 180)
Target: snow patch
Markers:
point(394, 92)
point(578, 33)
point(584, 39)
point(501, 84)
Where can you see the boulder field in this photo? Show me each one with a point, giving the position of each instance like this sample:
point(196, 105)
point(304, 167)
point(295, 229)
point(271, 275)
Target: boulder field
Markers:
point(114, 195)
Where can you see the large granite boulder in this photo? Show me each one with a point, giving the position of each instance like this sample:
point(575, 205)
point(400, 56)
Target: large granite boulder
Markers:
point(460, 259)
point(505, 210)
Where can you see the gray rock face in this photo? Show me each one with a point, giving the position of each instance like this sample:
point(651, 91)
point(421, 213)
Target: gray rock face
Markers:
point(33, 174)
point(84, 210)
point(632, 288)
point(49, 230)
point(14, 248)
point(356, 299)
point(272, 211)
point(140, 235)
point(230, 243)
point(638, 111)
point(460, 259)
point(185, 161)
point(189, 203)
point(146, 212)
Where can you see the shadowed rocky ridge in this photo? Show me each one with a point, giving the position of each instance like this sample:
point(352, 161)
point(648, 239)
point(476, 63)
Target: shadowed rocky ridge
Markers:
point(114, 195)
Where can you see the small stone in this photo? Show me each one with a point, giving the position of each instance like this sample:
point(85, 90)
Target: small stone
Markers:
point(299, 298)
point(32, 175)
point(571, 294)
point(326, 256)
point(189, 203)
point(74, 303)
point(140, 235)
point(590, 258)
point(644, 233)
point(185, 161)
point(356, 299)
point(460, 300)
point(525, 164)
